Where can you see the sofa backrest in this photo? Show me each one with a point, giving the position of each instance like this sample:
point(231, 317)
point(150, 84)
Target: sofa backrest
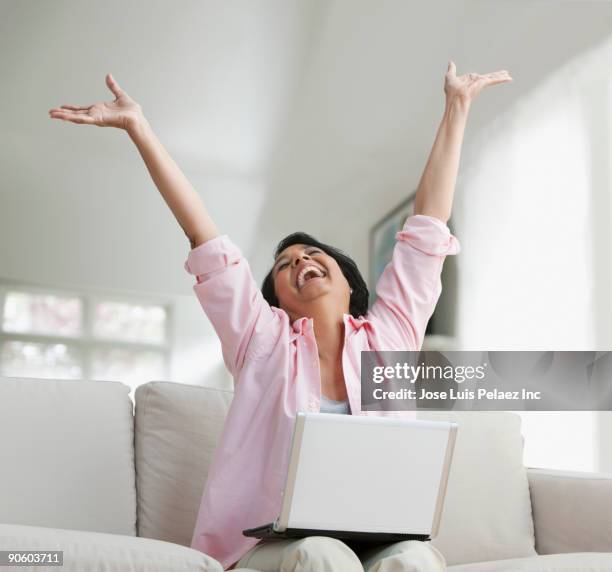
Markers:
point(177, 427)
point(67, 455)
point(487, 509)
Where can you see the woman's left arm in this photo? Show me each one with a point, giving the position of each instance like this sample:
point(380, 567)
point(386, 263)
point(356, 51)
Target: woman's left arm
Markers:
point(409, 287)
point(434, 196)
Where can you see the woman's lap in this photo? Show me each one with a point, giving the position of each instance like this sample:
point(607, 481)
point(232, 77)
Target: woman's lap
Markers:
point(323, 553)
point(319, 553)
point(405, 556)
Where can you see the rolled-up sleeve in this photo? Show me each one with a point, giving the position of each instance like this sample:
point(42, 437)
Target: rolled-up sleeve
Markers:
point(230, 298)
point(410, 286)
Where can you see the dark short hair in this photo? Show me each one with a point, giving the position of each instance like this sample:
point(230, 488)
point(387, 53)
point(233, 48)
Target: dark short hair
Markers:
point(358, 305)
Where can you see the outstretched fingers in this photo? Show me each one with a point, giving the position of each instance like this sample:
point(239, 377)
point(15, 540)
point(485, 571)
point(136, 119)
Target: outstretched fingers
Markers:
point(497, 77)
point(70, 109)
point(72, 116)
point(76, 107)
point(502, 74)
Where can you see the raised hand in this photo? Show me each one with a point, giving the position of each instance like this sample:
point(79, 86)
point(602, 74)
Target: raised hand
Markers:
point(122, 113)
point(466, 87)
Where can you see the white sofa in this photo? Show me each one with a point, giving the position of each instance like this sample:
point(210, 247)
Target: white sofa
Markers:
point(115, 491)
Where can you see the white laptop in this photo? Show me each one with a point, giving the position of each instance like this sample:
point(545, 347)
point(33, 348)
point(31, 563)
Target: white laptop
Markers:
point(361, 478)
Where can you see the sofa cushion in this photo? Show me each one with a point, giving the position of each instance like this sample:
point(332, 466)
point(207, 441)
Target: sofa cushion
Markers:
point(67, 454)
point(487, 509)
point(177, 428)
point(572, 511)
point(97, 551)
point(574, 562)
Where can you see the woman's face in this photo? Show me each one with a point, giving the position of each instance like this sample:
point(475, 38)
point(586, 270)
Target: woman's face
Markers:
point(303, 274)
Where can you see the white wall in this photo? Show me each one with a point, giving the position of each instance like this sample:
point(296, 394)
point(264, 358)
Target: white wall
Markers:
point(533, 211)
point(214, 78)
point(196, 356)
point(363, 121)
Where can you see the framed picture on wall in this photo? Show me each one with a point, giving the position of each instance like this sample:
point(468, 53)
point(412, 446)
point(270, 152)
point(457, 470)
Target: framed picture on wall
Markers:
point(382, 240)
point(441, 327)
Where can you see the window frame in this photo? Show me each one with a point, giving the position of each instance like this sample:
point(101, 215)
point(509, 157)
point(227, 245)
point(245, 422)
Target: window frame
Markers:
point(86, 343)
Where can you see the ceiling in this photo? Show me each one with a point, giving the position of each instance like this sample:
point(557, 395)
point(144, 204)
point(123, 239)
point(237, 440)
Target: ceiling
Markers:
point(286, 115)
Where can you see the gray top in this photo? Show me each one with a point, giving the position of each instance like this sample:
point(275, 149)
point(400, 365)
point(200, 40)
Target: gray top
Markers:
point(333, 406)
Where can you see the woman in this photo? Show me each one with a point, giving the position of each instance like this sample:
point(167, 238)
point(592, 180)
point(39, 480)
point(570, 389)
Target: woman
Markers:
point(296, 345)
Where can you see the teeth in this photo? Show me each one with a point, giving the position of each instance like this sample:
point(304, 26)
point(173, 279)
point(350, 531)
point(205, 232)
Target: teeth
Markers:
point(302, 274)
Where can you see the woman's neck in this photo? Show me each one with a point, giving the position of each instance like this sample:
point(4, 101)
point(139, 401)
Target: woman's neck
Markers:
point(328, 324)
point(329, 333)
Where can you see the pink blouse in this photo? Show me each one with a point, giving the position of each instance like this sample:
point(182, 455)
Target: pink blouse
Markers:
point(275, 366)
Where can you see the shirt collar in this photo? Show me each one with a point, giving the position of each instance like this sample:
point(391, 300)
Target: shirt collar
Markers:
point(356, 323)
point(304, 325)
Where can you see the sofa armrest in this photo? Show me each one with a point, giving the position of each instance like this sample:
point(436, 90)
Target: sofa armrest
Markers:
point(572, 511)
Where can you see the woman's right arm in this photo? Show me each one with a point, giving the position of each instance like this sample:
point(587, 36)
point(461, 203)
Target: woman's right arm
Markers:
point(174, 187)
point(125, 113)
point(243, 320)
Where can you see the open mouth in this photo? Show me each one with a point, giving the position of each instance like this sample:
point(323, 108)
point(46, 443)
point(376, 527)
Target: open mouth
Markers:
point(307, 274)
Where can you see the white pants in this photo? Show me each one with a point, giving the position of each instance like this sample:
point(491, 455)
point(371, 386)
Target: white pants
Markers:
point(324, 554)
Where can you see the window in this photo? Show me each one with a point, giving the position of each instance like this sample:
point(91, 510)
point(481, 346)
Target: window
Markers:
point(68, 335)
